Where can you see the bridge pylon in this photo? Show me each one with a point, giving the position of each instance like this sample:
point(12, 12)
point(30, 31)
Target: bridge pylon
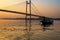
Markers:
point(28, 4)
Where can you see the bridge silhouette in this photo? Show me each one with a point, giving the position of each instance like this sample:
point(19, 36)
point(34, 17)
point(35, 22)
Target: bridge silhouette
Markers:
point(16, 12)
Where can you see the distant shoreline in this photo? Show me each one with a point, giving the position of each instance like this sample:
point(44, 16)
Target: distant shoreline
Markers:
point(25, 19)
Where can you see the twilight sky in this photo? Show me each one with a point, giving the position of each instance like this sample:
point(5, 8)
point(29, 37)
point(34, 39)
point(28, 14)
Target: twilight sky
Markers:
point(49, 8)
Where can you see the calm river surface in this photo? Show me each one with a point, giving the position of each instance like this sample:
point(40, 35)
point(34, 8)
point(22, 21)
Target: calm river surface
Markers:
point(14, 30)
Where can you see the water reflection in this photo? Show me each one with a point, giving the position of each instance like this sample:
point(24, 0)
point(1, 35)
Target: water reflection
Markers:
point(46, 26)
point(37, 34)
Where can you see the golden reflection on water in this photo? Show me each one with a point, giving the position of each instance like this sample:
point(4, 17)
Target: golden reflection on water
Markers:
point(14, 30)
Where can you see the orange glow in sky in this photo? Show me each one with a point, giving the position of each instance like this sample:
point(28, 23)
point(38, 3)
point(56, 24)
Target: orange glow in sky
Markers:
point(47, 8)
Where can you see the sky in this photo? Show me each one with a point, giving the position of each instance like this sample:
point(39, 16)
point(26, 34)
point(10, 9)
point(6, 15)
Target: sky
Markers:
point(48, 8)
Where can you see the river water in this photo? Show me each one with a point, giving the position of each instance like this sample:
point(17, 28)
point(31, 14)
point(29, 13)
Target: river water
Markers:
point(15, 30)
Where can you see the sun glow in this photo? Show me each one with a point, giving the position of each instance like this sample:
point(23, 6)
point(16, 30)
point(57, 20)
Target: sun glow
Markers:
point(47, 8)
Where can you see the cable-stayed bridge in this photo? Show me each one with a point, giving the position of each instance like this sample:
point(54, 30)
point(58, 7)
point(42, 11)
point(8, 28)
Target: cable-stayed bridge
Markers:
point(34, 8)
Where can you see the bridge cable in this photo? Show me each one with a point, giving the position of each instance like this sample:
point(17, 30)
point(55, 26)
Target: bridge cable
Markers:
point(35, 8)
